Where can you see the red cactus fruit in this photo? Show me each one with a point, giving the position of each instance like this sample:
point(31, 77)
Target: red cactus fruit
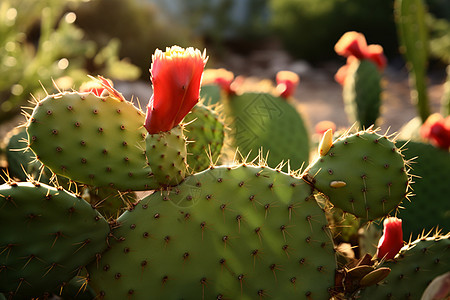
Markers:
point(222, 77)
point(176, 76)
point(287, 82)
point(436, 129)
point(392, 240)
point(351, 43)
point(342, 72)
point(323, 126)
point(376, 55)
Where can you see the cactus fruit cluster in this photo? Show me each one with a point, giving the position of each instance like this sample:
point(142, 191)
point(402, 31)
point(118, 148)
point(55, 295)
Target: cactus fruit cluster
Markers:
point(203, 228)
point(360, 78)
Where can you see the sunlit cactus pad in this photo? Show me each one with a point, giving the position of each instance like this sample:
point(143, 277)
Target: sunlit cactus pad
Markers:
point(417, 264)
point(362, 173)
point(46, 236)
point(97, 141)
point(226, 233)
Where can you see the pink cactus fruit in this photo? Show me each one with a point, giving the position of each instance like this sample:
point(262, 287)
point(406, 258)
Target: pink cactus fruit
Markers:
point(287, 83)
point(222, 77)
point(436, 129)
point(353, 45)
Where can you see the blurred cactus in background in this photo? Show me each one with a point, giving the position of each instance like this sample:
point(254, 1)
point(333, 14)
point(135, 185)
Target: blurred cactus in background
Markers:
point(413, 35)
point(360, 78)
point(39, 42)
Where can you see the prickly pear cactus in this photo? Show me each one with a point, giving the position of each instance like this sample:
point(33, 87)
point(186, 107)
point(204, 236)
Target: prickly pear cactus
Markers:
point(205, 134)
point(430, 203)
point(262, 121)
point(362, 173)
point(362, 93)
point(46, 236)
point(96, 141)
point(417, 264)
point(240, 232)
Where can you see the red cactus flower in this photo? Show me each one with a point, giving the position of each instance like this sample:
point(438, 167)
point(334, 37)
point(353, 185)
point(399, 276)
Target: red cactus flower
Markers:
point(392, 240)
point(376, 55)
point(287, 82)
point(342, 72)
point(436, 129)
point(323, 126)
point(176, 76)
point(222, 77)
point(351, 43)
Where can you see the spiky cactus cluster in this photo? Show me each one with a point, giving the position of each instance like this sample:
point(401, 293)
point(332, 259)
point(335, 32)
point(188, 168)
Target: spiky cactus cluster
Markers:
point(241, 230)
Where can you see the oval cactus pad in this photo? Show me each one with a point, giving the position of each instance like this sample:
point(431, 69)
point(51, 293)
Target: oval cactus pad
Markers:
point(363, 174)
point(93, 140)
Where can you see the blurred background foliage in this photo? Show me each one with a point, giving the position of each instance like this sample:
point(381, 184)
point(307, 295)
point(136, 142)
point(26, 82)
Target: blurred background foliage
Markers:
point(40, 43)
point(64, 40)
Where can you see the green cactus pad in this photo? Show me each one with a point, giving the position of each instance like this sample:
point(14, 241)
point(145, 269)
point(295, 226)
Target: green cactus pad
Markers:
point(363, 174)
point(96, 141)
point(239, 232)
point(362, 93)
point(263, 121)
point(46, 236)
point(166, 153)
point(417, 264)
point(430, 203)
point(205, 134)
